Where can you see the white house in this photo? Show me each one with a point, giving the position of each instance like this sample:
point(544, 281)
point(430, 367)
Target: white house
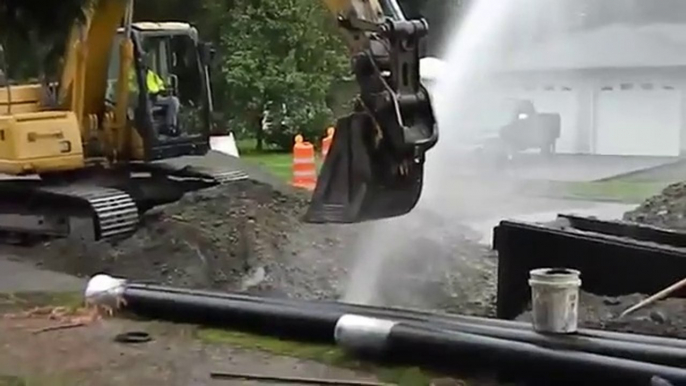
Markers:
point(619, 89)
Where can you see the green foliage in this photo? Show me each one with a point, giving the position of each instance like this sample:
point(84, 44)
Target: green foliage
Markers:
point(283, 55)
point(34, 33)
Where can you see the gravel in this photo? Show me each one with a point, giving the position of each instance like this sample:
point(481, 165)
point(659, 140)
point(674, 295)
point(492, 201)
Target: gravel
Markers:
point(667, 209)
point(248, 237)
point(665, 318)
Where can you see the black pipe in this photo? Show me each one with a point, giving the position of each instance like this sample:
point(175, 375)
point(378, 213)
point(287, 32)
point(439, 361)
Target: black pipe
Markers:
point(264, 318)
point(530, 361)
point(483, 326)
point(522, 361)
point(664, 355)
point(316, 321)
point(405, 340)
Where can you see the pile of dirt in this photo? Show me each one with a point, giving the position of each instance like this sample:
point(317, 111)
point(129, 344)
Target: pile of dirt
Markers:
point(249, 237)
point(425, 260)
point(667, 209)
point(237, 237)
point(665, 318)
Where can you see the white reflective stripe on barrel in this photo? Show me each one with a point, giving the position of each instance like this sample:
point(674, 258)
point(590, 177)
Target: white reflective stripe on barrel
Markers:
point(303, 174)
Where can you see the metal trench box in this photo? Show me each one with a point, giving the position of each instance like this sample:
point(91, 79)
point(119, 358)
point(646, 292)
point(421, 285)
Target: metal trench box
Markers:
point(615, 258)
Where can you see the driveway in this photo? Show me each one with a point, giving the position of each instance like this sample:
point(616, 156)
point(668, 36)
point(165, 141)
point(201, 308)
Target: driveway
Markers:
point(18, 276)
point(604, 211)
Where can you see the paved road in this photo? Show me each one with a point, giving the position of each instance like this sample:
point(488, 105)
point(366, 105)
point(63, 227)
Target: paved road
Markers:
point(604, 211)
point(558, 168)
point(18, 276)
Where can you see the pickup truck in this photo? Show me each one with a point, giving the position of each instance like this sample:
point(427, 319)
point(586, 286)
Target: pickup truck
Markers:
point(529, 129)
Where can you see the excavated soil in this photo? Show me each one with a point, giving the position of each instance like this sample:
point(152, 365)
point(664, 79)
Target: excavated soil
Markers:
point(667, 209)
point(664, 318)
point(249, 237)
point(667, 317)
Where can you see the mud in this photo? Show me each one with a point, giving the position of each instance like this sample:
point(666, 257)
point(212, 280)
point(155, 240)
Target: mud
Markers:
point(249, 237)
point(175, 357)
point(664, 318)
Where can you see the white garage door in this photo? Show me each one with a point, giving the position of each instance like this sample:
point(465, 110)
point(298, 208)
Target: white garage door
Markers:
point(638, 119)
point(561, 100)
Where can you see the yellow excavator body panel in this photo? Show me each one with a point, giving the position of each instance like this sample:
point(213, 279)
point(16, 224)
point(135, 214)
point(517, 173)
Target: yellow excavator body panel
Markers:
point(40, 142)
point(24, 99)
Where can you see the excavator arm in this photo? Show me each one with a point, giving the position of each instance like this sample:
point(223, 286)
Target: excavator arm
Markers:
point(375, 166)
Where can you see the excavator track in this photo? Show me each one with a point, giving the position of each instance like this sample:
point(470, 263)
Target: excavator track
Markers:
point(214, 168)
point(225, 177)
point(115, 214)
point(88, 212)
point(103, 207)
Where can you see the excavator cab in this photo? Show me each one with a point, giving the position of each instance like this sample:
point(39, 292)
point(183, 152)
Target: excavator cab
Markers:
point(170, 103)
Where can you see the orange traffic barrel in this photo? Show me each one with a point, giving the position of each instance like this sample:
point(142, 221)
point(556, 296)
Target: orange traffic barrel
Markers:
point(304, 165)
point(326, 142)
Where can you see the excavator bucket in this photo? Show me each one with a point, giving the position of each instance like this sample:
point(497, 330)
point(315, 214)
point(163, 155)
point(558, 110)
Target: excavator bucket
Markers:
point(375, 166)
point(361, 179)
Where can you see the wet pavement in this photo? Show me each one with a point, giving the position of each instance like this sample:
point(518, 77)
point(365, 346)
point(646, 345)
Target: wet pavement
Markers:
point(603, 211)
point(19, 276)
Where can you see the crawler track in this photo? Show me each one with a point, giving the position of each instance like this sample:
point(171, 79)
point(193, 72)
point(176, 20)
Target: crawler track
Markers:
point(100, 205)
point(115, 214)
point(78, 210)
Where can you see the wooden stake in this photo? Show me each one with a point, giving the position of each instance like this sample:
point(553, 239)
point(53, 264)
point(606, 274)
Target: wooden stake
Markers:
point(656, 297)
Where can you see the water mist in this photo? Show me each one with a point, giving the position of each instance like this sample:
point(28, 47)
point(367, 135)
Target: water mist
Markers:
point(432, 245)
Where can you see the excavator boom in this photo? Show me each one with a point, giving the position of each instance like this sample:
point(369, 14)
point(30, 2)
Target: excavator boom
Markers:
point(375, 166)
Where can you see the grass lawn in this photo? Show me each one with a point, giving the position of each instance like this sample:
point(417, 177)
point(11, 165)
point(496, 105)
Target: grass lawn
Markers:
point(618, 191)
point(330, 355)
point(278, 162)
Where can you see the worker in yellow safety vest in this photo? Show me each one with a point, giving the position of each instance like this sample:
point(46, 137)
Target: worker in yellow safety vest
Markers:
point(157, 91)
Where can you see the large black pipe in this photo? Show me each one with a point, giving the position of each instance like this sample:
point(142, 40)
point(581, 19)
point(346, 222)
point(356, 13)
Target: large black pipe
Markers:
point(478, 325)
point(665, 355)
point(523, 361)
point(265, 318)
point(312, 322)
point(164, 303)
point(530, 361)
point(416, 342)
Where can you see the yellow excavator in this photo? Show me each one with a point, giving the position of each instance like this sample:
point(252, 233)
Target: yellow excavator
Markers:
point(86, 157)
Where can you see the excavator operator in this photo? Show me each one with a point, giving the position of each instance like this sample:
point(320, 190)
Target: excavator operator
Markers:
point(162, 98)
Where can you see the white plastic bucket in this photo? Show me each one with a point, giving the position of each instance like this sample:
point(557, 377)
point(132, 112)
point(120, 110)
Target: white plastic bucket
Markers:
point(555, 299)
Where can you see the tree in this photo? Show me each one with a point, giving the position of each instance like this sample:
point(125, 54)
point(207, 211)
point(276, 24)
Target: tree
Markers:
point(43, 27)
point(281, 55)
